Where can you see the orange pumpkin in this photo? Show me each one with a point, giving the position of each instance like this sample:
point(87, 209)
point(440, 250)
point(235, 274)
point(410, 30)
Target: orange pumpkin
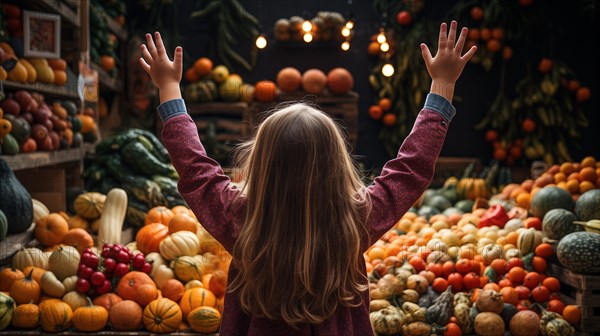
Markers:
point(172, 289)
point(149, 237)
point(79, 239)
point(314, 81)
point(180, 209)
point(196, 297)
point(78, 222)
point(8, 276)
point(107, 300)
point(162, 316)
point(205, 320)
point(131, 282)
point(25, 290)
point(265, 91)
point(50, 230)
point(289, 79)
point(339, 81)
point(26, 316)
point(37, 273)
point(218, 283)
point(183, 222)
point(220, 304)
point(126, 315)
point(146, 294)
point(55, 316)
point(159, 214)
point(90, 317)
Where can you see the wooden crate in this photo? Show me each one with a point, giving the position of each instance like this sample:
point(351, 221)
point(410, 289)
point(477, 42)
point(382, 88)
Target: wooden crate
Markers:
point(230, 119)
point(343, 108)
point(582, 290)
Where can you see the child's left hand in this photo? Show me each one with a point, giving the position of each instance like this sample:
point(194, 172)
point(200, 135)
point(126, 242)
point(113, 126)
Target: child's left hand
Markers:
point(157, 64)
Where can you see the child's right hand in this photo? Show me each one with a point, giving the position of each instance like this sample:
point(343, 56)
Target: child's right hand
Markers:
point(447, 65)
point(165, 74)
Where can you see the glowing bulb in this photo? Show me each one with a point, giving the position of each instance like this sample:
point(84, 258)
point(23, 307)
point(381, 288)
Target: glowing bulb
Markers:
point(261, 42)
point(381, 37)
point(345, 46)
point(308, 37)
point(306, 26)
point(350, 24)
point(345, 32)
point(387, 70)
point(385, 47)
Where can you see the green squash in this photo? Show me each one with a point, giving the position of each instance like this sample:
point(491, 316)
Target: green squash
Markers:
point(21, 130)
point(549, 198)
point(558, 223)
point(465, 205)
point(202, 91)
point(428, 211)
point(18, 207)
point(10, 146)
point(587, 206)
point(7, 307)
point(439, 202)
point(3, 226)
point(579, 251)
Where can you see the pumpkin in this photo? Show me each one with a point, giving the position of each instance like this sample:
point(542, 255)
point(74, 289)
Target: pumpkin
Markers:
point(79, 239)
point(196, 297)
point(75, 300)
point(314, 81)
point(525, 323)
point(205, 320)
point(126, 315)
point(265, 91)
point(578, 251)
point(64, 262)
point(30, 257)
point(514, 224)
point(70, 283)
point(549, 198)
point(491, 252)
point(113, 215)
point(490, 301)
point(39, 210)
point(188, 268)
point(289, 79)
point(183, 222)
point(193, 284)
point(107, 300)
point(182, 243)
point(387, 321)
point(78, 222)
point(25, 290)
point(18, 208)
point(558, 223)
point(587, 206)
point(26, 316)
point(417, 283)
point(413, 312)
point(339, 81)
point(90, 317)
point(7, 308)
point(172, 289)
point(528, 240)
point(8, 276)
point(376, 305)
point(51, 230)
point(37, 273)
point(56, 316)
point(160, 215)
point(149, 237)
point(162, 316)
point(130, 283)
point(472, 188)
point(51, 286)
point(162, 275)
point(154, 259)
point(146, 294)
point(89, 205)
point(489, 324)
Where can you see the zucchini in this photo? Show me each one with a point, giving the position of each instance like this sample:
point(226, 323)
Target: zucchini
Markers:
point(136, 155)
point(120, 172)
point(159, 149)
point(93, 176)
point(167, 185)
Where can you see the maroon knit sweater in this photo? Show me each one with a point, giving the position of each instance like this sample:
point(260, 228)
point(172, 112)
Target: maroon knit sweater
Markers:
point(209, 194)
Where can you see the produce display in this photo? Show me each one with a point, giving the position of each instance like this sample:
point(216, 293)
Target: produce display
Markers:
point(325, 26)
point(104, 44)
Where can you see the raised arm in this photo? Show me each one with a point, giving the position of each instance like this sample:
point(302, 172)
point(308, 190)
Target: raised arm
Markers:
point(406, 177)
point(202, 182)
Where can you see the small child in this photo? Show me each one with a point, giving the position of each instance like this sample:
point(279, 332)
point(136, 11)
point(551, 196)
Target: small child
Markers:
point(298, 232)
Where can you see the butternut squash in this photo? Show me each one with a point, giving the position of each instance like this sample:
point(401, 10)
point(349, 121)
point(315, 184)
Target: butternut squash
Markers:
point(113, 215)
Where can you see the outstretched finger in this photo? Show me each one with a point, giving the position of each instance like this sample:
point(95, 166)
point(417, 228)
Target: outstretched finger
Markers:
point(460, 44)
point(178, 58)
point(426, 54)
point(144, 65)
point(146, 54)
point(467, 56)
point(160, 46)
point(150, 45)
point(452, 35)
point(443, 35)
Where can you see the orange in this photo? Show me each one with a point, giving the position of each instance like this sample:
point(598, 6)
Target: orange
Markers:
point(524, 200)
point(562, 185)
point(527, 185)
point(493, 45)
point(512, 238)
point(588, 161)
point(392, 250)
point(567, 168)
point(203, 66)
point(374, 48)
point(107, 62)
point(385, 104)
point(191, 76)
point(573, 186)
point(507, 53)
point(485, 34)
point(586, 186)
point(375, 112)
point(516, 192)
point(572, 314)
point(498, 33)
point(510, 295)
point(588, 174)
point(376, 253)
point(559, 177)
point(573, 176)
point(60, 77)
point(389, 119)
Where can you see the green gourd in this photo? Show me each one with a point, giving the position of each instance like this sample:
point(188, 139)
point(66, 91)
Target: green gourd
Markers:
point(387, 321)
point(552, 324)
point(3, 226)
point(15, 201)
point(463, 318)
point(442, 308)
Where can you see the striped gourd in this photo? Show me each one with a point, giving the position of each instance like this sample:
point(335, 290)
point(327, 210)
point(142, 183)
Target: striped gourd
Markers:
point(204, 320)
point(528, 240)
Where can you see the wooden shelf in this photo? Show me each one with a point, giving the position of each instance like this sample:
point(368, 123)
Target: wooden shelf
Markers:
point(111, 83)
point(44, 159)
point(114, 27)
point(68, 90)
point(60, 7)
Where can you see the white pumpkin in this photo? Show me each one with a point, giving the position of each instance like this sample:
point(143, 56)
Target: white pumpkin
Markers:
point(70, 283)
point(156, 260)
point(51, 286)
point(64, 262)
point(491, 252)
point(162, 274)
point(514, 224)
point(39, 210)
point(513, 253)
point(181, 243)
point(30, 257)
point(75, 300)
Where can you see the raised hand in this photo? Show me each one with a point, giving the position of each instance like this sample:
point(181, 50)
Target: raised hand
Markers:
point(165, 74)
point(447, 65)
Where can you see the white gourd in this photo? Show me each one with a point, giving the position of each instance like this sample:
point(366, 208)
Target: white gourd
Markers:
point(181, 243)
point(113, 215)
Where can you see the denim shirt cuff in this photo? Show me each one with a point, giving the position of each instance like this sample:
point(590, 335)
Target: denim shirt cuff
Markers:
point(440, 105)
point(171, 108)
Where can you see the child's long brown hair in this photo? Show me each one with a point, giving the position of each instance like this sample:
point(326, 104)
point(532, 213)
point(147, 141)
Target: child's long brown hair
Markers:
point(299, 254)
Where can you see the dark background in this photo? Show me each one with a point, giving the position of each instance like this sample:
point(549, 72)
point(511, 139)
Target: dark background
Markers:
point(569, 36)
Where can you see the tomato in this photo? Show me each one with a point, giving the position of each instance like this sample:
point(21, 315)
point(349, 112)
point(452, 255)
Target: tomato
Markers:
point(417, 263)
point(523, 292)
point(539, 264)
point(404, 18)
point(381, 269)
point(556, 306)
point(471, 281)
point(533, 222)
point(514, 262)
point(448, 268)
point(552, 283)
point(540, 294)
point(505, 283)
point(531, 280)
point(476, 13)
point(456, 281)
point(439, 285)
point(524, 305)
point(499, 265)
point(476, 267)
point(429, 275)
point(452, 329)
point(544, 250)
point(436, 269)
point(463, 266)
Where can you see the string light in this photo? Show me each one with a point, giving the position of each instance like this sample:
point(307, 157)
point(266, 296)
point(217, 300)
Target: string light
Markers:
point(387, 70)
point(385, 47)
point(345, 46)
point(350, 24)
point(345, 32)
point(381, 37)
point(261, 42)
point(308, 37)
point(306, 26)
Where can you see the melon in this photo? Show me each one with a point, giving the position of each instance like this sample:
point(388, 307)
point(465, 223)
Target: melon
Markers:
point(439, 202)
point(587, 206)
point(314, 81)
point(289, 79)
point(579, 251)
point(465, 205)
point(558, 223)
point(339, 81)
point(549, 198)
